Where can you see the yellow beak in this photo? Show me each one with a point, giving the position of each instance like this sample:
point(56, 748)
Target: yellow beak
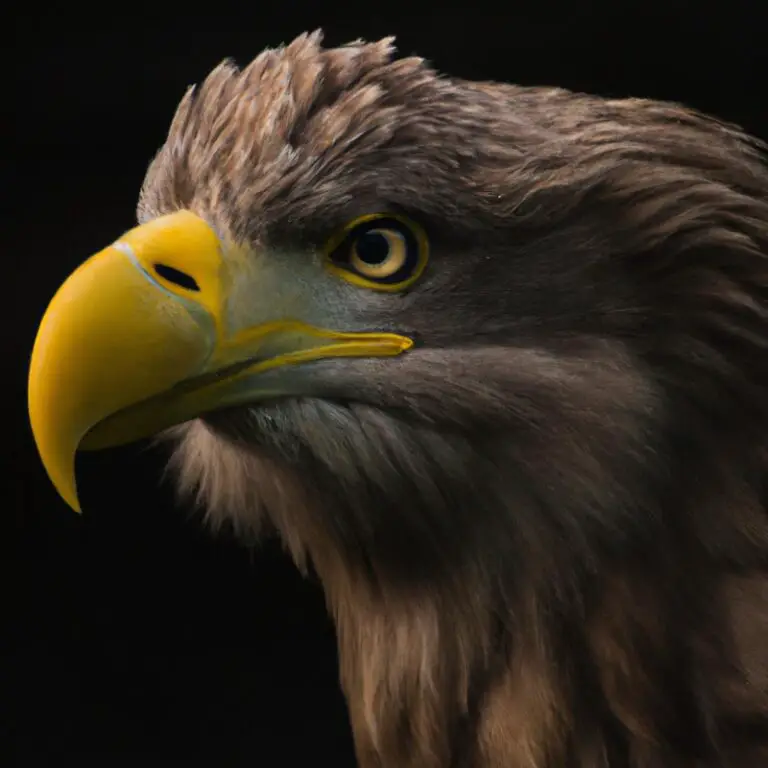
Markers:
point(136, 341)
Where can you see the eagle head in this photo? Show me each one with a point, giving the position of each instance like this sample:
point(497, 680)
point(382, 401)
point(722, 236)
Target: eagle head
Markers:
point(492, 359)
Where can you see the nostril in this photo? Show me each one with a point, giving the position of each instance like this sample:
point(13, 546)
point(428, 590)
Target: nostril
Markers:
point(177, 277)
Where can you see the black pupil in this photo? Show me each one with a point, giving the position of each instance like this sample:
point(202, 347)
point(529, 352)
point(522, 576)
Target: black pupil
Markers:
point(372, 248)
point(176, 276)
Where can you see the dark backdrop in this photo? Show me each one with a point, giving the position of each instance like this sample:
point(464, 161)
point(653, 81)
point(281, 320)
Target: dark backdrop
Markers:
point(130, 637)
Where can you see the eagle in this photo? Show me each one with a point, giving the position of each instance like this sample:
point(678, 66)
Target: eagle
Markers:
point(492, 361)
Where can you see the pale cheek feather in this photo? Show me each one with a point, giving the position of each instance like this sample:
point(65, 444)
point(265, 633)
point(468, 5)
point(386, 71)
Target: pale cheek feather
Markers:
point(237, 488)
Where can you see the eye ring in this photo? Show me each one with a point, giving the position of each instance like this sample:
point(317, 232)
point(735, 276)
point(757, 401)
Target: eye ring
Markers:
point(385, 252)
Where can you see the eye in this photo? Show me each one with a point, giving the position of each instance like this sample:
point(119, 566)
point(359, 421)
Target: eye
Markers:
point(379, 253)
point(382, 251)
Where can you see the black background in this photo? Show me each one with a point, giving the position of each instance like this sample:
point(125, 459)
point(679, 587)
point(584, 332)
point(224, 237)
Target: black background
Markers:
point(129, 636)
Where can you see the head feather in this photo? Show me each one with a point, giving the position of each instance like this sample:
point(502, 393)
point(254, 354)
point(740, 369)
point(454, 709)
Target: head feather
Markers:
point(528, 527)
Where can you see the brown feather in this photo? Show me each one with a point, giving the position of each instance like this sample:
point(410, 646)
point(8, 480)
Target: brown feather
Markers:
point(542, 535)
